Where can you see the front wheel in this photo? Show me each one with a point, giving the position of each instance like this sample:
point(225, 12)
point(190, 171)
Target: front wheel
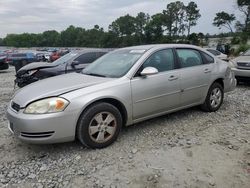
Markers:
point(214, 98)
point(99, 126)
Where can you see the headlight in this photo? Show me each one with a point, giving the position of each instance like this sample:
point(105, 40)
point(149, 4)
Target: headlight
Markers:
point(231, 64)
point(45, 106)
point(32, 72)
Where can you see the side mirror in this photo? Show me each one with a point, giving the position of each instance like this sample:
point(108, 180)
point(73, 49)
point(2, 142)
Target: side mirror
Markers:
point(149, 71)
point(74, 63)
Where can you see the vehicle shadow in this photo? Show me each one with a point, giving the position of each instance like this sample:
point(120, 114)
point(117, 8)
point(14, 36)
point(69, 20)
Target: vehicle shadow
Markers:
point(243, 84)
point(5, 71)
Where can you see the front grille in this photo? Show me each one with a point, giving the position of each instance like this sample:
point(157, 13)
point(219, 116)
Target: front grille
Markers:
point(37, 134)
point(244, 64)
point(15, 106)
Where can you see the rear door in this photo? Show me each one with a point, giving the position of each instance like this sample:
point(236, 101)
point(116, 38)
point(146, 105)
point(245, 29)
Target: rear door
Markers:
point(195, 76)
point(157, 93)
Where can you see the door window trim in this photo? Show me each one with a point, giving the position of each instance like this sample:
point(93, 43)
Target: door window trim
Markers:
point(135, 75)
point(201, 55)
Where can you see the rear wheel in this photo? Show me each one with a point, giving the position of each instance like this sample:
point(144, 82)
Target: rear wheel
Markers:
point(99, 126)
point(214, 98)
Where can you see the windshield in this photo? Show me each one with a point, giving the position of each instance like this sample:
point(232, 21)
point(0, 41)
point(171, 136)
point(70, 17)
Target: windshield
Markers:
point(65, 58)
point(247, 53)
point(115, 64)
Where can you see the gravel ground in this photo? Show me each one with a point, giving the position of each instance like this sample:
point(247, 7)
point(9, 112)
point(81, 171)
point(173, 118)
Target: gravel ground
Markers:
point(189, 148)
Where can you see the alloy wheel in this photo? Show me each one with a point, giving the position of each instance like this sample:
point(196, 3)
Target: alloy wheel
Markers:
point(102, 127)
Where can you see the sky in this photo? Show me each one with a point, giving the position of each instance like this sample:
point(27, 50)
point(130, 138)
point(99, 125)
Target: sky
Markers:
point(36, 16)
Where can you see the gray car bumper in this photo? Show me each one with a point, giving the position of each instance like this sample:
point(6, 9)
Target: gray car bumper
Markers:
point(42, 129)
point(241, 72)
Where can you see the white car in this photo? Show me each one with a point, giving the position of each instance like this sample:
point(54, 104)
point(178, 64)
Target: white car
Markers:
point(241, 66)
point(217, 54)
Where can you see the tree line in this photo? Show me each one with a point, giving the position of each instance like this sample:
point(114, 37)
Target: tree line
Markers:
point(173, 24)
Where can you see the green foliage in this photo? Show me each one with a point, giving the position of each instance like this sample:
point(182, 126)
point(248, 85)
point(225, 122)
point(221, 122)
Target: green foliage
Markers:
point(192, 15)
point(224, 19)
point(241, 48)
point(235, 40)
point(170, 26)
point(123, 26)
point(1, 42)
point(244, 7)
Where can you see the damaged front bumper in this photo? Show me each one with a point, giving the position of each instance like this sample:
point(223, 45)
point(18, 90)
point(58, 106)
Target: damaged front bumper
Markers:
point(24, 80)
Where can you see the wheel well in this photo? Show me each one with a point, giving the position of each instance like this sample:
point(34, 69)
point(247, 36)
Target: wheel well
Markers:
point(220, 81)
point(115, 103)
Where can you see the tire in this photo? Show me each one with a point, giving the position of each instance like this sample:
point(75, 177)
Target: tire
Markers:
point(214, 98)
point(99, 125)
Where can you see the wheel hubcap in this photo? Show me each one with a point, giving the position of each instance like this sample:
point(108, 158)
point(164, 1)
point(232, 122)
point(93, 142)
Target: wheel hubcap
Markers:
point(215, 97)
point(102, 127)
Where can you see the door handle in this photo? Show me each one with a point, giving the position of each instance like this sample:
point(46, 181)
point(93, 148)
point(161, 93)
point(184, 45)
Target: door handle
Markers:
point(207, 71)
point(172, 77)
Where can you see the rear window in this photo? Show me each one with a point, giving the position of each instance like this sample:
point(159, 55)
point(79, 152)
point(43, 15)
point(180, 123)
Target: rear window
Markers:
point(214, 52)
point(207, 58)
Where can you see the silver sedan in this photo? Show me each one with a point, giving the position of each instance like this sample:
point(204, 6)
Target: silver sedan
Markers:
point(121, 88)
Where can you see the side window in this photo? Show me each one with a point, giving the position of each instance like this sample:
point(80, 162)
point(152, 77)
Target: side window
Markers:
point(214, 52)
point(189, 57)
point(86, 58)
point(99, 54)
point(207, 58)
point(162, 60)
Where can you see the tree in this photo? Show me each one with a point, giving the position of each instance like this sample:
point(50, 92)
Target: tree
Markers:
point(70, 36)
point(224, 19)
point(141, 20)
point(50, 38)
point(123, 26)
point(173, 18)
point(1, 42)
point(244, 7)
point(153, 29)
point(192, 15)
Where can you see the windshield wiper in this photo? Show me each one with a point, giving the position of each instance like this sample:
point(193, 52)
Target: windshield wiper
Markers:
point(94, 74)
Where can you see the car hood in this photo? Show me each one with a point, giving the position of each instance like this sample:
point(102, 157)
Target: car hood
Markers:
point(242, 59)
point(35, 65)
point(55, 86)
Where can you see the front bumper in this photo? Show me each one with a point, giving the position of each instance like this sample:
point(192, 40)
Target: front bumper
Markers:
point(230, 82)
point(241, 72)
point(42, 129)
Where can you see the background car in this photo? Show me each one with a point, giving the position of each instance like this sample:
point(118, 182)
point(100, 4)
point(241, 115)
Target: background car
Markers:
point(218, 54)
point(57, 54)
point(72, 62)
point(3, 62)
point(21, 59)
point(123, 87)
point(241, 66)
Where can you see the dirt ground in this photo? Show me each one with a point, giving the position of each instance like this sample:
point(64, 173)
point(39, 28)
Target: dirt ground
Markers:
point(189, 148)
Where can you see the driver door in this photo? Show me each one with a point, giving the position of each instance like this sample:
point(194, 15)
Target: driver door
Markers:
point(156, 94)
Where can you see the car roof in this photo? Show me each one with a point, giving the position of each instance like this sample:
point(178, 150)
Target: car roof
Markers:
point(93, 50)
point(155, 46)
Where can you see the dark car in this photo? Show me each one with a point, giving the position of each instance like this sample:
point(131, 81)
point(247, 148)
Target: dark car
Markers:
point(74, 61)
point(3, 62)
point(20, 59)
